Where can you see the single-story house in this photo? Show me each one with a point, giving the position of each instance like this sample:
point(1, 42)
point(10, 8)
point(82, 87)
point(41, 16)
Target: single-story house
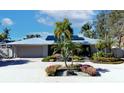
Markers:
point(41, 47)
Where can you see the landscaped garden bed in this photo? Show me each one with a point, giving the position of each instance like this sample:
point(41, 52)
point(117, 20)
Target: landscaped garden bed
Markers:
point(102, 58)
point(72, 70)
point(58, 58)
point(111, 60)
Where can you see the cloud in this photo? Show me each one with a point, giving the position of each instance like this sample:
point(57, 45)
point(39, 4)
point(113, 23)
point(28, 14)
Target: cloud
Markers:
point(6, 22)
point(76, 17)
point(46, 21)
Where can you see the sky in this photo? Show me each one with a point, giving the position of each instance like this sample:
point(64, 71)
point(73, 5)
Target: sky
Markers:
point(23, 22)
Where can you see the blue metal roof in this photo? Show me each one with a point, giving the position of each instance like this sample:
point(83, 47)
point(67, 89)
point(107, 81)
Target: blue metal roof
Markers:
point(32, 41)
point(51, 37)
point(51, 40)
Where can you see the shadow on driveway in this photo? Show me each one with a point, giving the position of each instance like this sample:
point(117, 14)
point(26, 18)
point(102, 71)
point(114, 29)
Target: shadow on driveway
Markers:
point(12, 62)
point(101, 70)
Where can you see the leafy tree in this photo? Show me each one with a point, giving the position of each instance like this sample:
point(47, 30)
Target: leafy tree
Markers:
point(117, 25)
point(63, 30)
point(107, 28)
point(102, 24)
point(88, 31)
point(100, 45)
point(5, 34)
point(32, 36)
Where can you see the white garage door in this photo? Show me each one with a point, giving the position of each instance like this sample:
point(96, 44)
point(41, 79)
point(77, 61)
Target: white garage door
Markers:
point(29, 51)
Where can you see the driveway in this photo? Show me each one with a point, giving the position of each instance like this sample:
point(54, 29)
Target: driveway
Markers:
point(32, 70)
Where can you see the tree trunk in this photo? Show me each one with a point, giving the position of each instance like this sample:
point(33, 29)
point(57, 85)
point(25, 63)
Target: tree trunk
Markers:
point(72, 62)
point(119, 43)
point(106, 45)
point(66, 63)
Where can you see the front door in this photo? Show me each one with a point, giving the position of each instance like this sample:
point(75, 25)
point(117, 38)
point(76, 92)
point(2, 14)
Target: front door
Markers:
point(86, 50)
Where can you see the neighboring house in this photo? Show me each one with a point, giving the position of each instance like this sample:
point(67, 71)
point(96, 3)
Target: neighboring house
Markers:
point(122, 41)
point(41, 47)
point(5, 51)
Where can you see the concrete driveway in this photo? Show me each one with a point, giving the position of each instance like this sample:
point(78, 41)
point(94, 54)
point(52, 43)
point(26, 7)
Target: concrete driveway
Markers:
point(32, 70)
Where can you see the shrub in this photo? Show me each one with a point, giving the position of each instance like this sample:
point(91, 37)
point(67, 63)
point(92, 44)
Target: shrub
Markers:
point(49, 58)
point(98, 54)
point(101, 54)
point(94, 57)
point(76, 58)
point(109, 54)
point(109, 60)
point(51, 70)
point(103, 59)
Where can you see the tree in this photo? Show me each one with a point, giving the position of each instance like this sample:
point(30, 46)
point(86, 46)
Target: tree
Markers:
point(63, 30)
point(104, 30)
point(67, 49)
point(32, 36)
point(102, 24)
point(5, 34)
point(63, 48)
point(110, 43)
point(100, 45)
point(87, 30)
point(117, 25)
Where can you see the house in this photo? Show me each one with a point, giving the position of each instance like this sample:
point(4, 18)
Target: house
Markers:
point(41, 47)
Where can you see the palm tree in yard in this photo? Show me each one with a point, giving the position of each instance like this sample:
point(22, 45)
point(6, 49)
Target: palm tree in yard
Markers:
point(63, 30)
point(67, 49)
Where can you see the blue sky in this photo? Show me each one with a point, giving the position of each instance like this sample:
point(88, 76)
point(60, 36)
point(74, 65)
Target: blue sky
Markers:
point(23, 22)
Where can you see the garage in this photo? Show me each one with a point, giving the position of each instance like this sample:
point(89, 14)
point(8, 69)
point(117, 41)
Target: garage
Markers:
point(30, 48)
point(30, 51)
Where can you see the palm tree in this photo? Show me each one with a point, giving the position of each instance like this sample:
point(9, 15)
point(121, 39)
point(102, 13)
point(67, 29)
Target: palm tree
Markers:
point(63, 30)
point(74, 47)
point(63, 48)
point(5, 35)
point(67, 49)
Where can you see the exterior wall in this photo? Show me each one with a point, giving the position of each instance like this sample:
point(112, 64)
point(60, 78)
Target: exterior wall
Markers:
point(45, 50)
point(118, 52)
point(93, 49)
point(6, 51)
point(122, 41)
point(30, 51)
point(42, 51)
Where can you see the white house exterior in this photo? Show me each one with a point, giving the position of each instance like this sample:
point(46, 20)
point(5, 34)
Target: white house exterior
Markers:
point(40, 47)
